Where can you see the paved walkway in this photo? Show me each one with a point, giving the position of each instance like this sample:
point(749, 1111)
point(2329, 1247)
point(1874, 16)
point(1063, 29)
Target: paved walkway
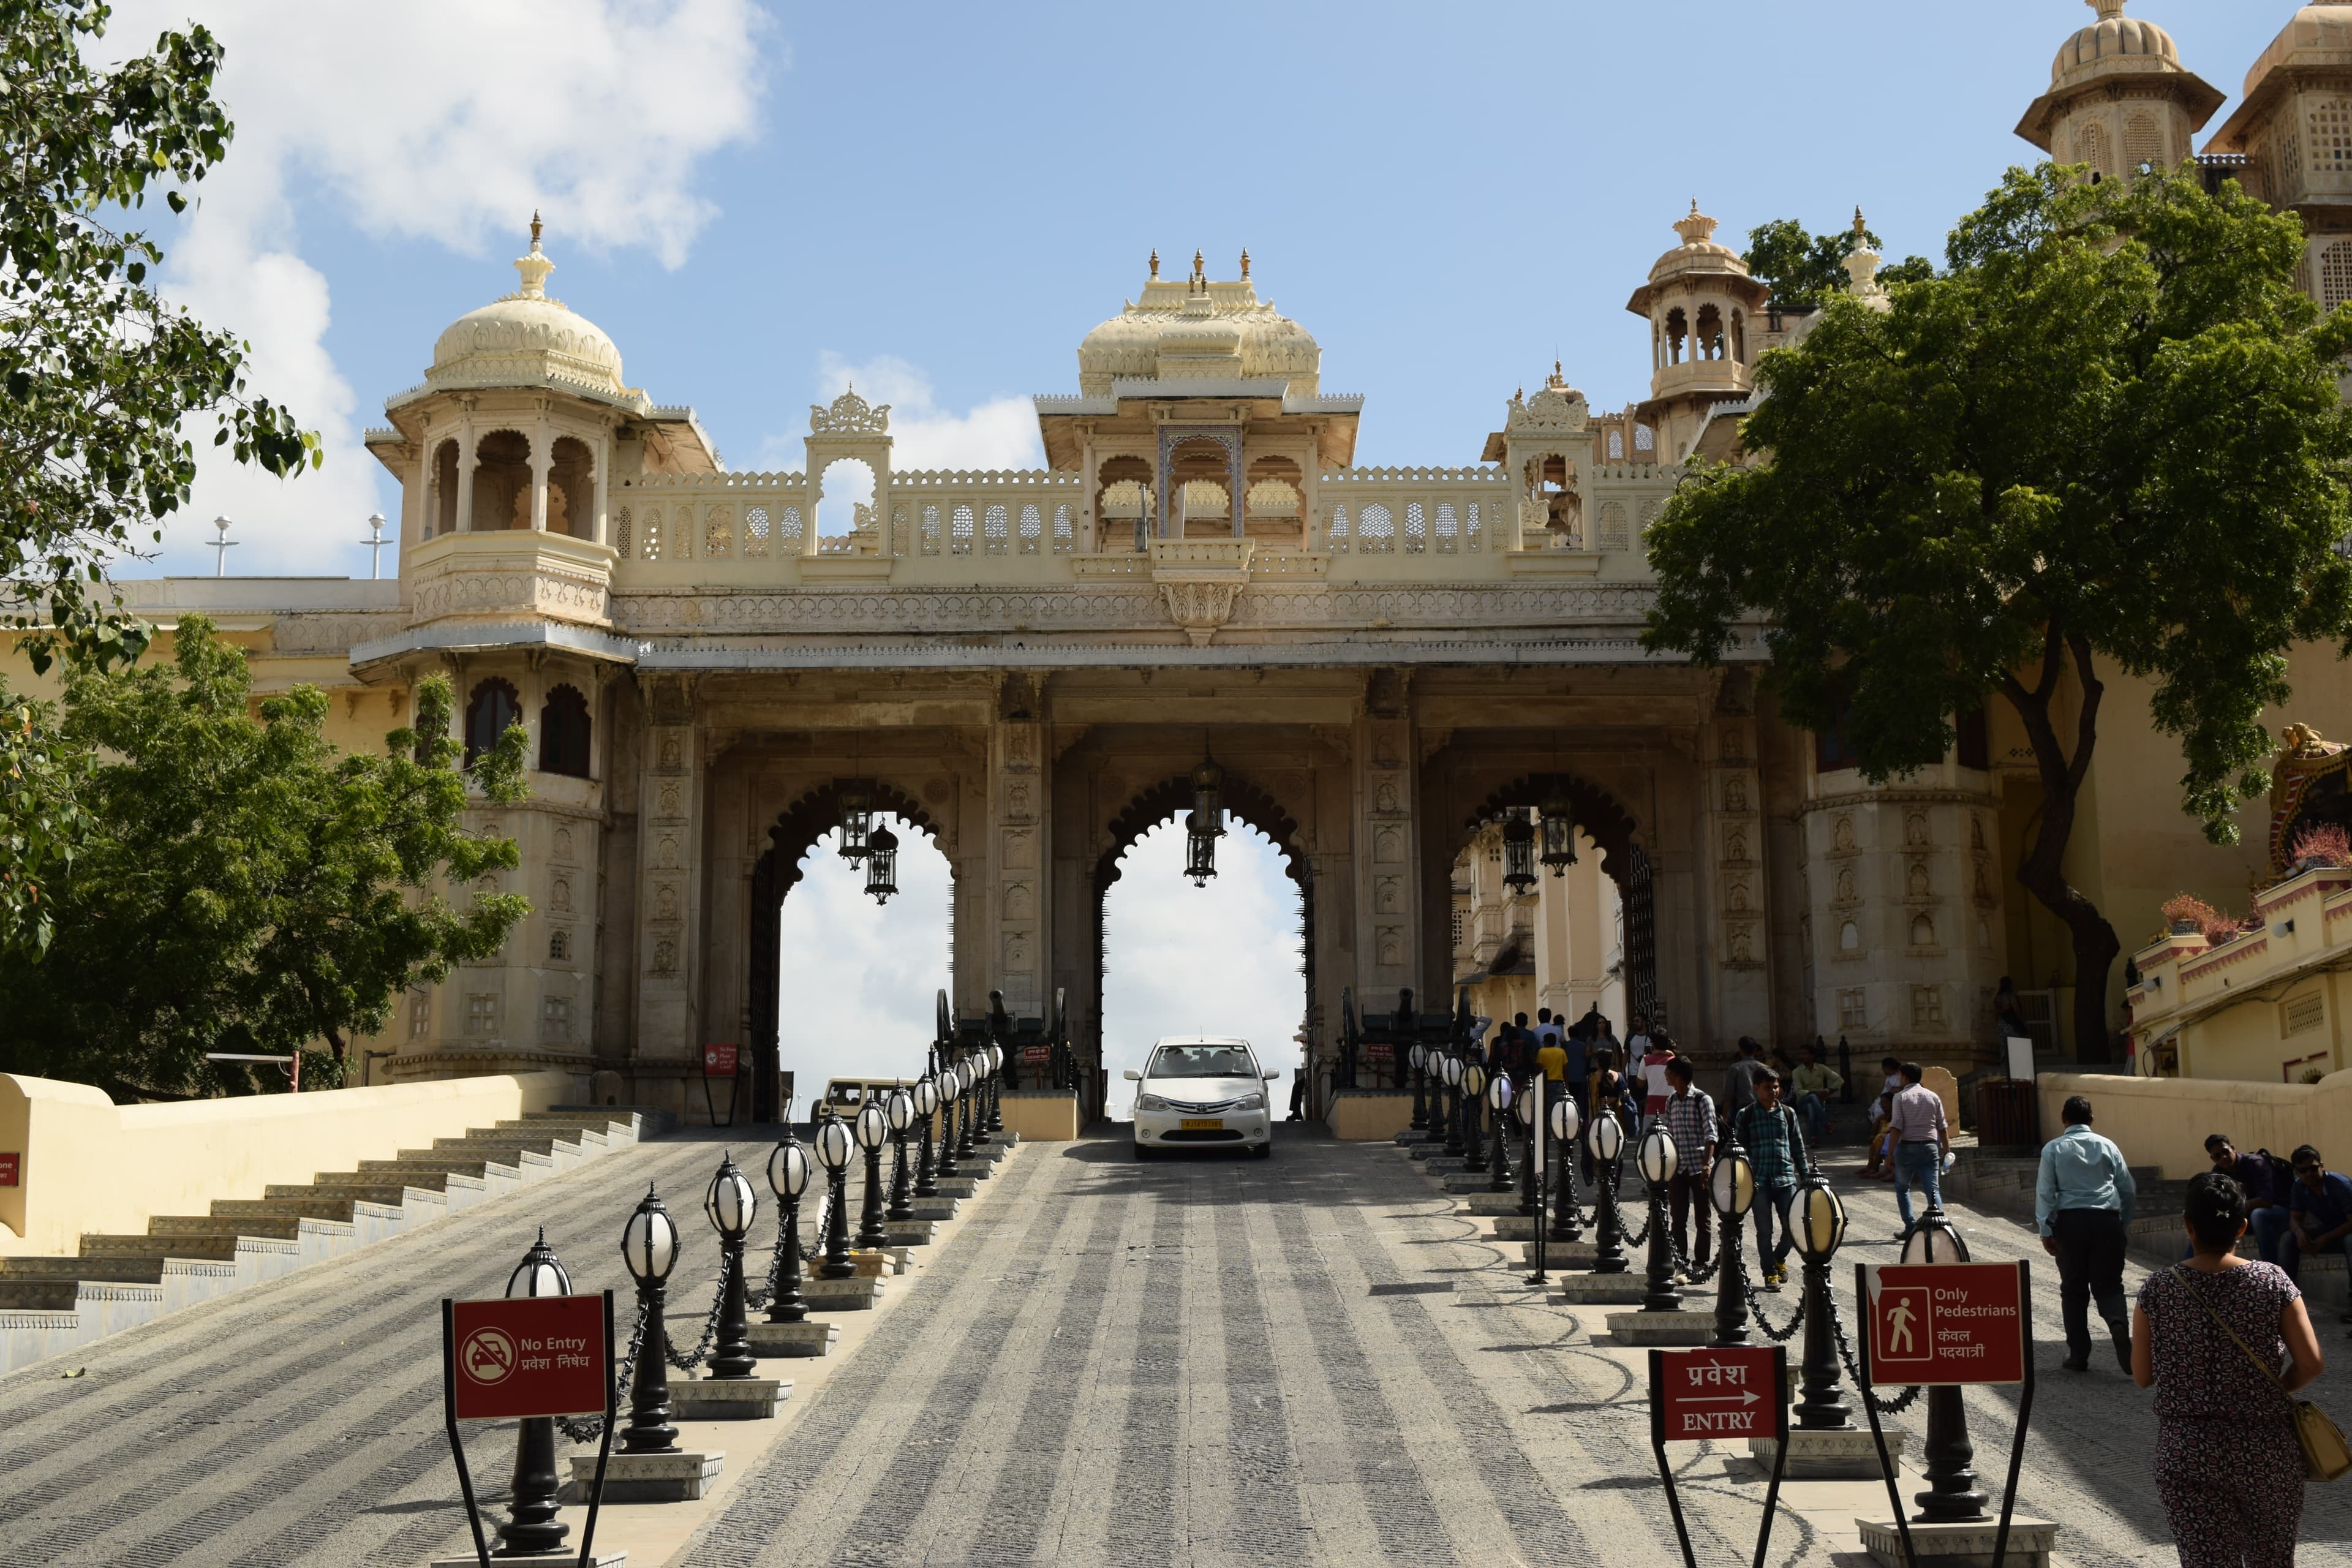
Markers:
point(1204, 1363)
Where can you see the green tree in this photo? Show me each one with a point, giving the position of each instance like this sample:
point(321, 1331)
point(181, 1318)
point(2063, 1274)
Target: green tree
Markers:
point(2108, 435)
point(1805, 268)
point(242, 886)
point(101, 375)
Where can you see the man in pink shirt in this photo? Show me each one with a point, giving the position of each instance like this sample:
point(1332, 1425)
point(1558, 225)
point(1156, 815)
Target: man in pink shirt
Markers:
point(1921, 1136)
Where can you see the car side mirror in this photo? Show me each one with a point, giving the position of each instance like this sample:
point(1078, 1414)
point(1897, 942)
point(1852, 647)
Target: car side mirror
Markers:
point(1133, 1076)
point(1272, 1075)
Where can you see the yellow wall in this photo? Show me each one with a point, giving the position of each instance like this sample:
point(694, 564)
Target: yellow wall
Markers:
point(90, 1166)
point(1041, 1118)
point(2164, 1121)
point(1369, 1116)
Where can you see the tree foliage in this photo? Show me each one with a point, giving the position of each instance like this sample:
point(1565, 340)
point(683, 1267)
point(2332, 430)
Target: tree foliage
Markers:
point(2109, 435)
point(1806, 269)
point(98, 373)
point(241, 885)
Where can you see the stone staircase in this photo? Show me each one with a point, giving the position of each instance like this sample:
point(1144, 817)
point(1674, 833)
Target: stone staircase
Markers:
point(51, 1305)
point(2004, 1184)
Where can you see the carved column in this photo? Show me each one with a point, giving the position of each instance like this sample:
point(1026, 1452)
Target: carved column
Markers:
point(1020, 850)
point(1387, 844)
point(542, 462)
point(1731, 835)
point(671, 793)
point(466, 461)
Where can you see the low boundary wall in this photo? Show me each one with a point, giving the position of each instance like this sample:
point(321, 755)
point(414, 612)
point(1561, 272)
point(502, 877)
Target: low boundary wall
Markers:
point(86, 1164)
point(2164, 1121)
point(1368, 1114)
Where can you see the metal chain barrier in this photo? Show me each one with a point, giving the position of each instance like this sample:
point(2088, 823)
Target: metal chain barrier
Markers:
point(693, 1358)
point(1895, 1406)
point(591, 1429)
point(767, 1292)
point(1755, 1309)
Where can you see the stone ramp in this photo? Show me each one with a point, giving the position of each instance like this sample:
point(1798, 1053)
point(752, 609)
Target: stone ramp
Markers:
point(50, 1305)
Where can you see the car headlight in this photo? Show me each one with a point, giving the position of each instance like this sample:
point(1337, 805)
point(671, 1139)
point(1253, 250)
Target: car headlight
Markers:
point(1251, 1102)
point(1150, 1102)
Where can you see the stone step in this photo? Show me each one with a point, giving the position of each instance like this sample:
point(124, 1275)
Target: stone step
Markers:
point(277, 1207)
point(391, 1194)
point(485, 1143)
point(39, 1295)
point(143, 1268)
point(1680, 1328)
point(361, 1183)
point(175, 1226)
point(214, 1249)
point(479, 1168)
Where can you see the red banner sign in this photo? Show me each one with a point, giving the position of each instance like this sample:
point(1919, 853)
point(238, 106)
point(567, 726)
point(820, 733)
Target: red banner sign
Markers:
point(719, 1061)
point(1718, 1394)
point(1040, 1054)
point(12, 1165)
point(1941, 1324)
point(542, 1355)
point(1379, 1051)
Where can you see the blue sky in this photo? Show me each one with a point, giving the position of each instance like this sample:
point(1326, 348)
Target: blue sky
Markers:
point(757, 203)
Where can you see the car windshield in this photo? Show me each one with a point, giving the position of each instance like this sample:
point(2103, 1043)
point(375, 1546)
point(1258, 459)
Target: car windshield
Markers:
point(1202, 1061)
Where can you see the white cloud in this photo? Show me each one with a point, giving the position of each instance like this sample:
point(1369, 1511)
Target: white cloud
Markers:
point(447, 120)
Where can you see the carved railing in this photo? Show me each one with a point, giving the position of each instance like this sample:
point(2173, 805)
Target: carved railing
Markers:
point(1415, 512)
point(991, 512)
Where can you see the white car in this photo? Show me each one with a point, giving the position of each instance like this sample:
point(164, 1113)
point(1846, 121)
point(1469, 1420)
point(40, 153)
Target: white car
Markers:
point(1199, 1091)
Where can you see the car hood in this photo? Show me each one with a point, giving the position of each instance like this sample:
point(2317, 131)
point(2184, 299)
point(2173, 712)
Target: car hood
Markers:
point(1202, 1090)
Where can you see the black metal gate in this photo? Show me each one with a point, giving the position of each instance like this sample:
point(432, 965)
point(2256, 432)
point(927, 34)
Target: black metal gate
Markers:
point(1641, 938)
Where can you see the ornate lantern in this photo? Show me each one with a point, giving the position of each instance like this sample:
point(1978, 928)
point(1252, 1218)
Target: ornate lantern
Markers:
point(1208, 794)
point(857, 797)
point(1559, 832)
point(881, 864)
point(1518, 852)
point(1200, 849)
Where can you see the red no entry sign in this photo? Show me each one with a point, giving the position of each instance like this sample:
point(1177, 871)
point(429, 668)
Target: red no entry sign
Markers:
point(1940, 1323)
point(1723, 1393)
point(545, 1355)
point(719, 1061)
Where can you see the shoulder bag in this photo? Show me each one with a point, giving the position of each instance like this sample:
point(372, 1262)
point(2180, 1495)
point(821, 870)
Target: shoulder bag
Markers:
point(2325, 1454)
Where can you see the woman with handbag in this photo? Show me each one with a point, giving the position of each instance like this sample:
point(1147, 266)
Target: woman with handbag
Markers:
point(2210, 1335)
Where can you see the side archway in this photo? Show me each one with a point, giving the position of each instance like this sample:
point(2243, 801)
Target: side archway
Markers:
point(797, 829)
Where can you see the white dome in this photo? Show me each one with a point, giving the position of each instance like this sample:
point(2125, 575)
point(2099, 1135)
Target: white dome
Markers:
point(526, 339)
point(1198, 329)
point(2113, 38)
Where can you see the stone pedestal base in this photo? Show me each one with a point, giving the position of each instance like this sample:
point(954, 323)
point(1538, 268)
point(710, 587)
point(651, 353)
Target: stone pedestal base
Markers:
point(1480, 1181)
point(728, 1398)
point(941, 1207)
point(1841, 1454)
point(1424, 1150)
point(1490, 1206)
point(841, 1295)
point(906, 1233)
point(1442, 1164)
point(1578, 1254)
point(1660, 1328)
point(1960, 1545)
point(949, 1187)
point(1604, 1290)
point(645, 1478)
point(600, 1558)
point(806, 1338)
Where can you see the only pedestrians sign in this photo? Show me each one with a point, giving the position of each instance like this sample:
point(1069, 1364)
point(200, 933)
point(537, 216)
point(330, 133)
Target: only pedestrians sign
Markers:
point(1944, 1323)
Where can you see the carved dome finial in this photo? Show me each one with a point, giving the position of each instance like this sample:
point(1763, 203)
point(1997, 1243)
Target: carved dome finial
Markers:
point(1244, 263)
point(1695, 229)
point(2106, 8)
point(534, 267)
point(1155, 264)
point(1861, 229)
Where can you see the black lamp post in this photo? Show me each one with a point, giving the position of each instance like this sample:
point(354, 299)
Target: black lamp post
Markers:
point(730, 1204)
point(950, 1090)
point(788, 1178)
point(1567, 1224)
point(967, 1079)
point(984, 1075)
point(1416, 1058)
point(531, 1527)
point(1731, 1186)
point(1659, 1160)
point(1449, 1066)
point(1529, 1107)
point(649, 1251)
point(1498, 1106)
point(996, 1089)
point(900, 1110)
point(1820, 1224)
point(926, 1109)
point(1952, 1495)
point(1607, 1141)
point(872, 1129)
point(1473, 1097)
point(833, 1145)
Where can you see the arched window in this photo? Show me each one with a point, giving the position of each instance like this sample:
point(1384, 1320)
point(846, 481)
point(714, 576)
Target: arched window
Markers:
point(563, 734)
point(2143, 142)
point(1677, 328)
point(495, 709)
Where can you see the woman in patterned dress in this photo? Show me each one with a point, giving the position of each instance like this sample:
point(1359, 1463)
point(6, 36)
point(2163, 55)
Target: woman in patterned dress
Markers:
point(2228, 1468)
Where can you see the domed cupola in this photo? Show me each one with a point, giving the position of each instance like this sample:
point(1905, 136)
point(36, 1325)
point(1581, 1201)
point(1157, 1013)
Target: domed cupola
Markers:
point(2119, 98)
point(526, 339)
point(1202, 333)
point(1699, 301)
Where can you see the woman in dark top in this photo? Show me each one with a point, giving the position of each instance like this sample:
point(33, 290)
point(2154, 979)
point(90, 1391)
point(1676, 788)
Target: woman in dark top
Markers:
point(2228, 1468)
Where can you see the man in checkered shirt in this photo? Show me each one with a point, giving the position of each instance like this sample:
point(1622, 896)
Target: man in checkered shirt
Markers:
point(1689, 1120)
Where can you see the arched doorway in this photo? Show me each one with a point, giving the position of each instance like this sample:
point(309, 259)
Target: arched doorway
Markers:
point(857, 980)
point(1147, 842)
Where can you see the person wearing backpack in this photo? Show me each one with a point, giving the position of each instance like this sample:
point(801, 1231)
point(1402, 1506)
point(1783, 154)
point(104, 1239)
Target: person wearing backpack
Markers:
point(2268, 1184)
point(2206, 1333)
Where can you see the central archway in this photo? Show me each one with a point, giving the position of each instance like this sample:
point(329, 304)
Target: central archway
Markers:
point(798, 829)
point(1169, 801)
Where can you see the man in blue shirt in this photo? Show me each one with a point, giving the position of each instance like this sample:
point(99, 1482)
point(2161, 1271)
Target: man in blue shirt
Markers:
point(2319, 1210)
point(2082, 1204)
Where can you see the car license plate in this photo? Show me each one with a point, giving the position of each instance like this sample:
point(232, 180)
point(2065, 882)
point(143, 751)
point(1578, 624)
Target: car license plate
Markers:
point(1203, 1124)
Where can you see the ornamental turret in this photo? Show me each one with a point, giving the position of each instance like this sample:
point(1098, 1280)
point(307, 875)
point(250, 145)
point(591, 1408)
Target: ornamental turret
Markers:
point(2290, 140)
point(2119, 99)
point(1702, 305)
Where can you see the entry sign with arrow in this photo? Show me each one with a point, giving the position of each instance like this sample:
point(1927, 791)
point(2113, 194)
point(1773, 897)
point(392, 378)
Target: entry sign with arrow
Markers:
point(1722, 1394)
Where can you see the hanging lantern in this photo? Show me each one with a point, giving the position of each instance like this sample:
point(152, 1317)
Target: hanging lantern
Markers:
point(1208, 794)
point(856, 817)
point(882, 865)
point(1199, 851)
point(1559, 832)
point(1518, 852)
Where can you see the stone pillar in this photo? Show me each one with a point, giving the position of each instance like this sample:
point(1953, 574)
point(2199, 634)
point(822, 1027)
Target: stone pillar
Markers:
point(542, 462)
point(466, 462)
point(1019, 914)
point(1387, 844)
point(672, 803)
point(1731, 835)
